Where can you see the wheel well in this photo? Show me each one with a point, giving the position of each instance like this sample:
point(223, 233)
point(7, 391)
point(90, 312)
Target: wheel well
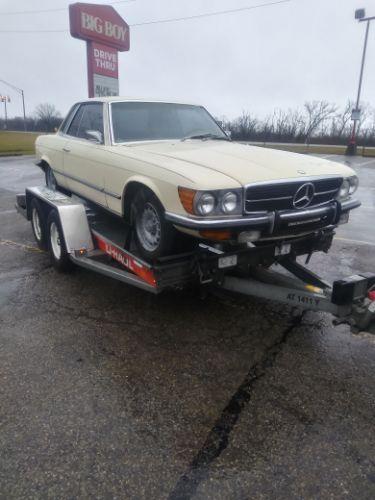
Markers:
point(43, 165)
point(129, 192)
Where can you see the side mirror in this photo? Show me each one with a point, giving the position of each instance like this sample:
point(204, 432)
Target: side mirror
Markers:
point(95, 136)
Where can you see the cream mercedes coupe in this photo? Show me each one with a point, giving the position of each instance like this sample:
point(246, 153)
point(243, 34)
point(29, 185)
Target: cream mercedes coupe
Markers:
point(168, 168)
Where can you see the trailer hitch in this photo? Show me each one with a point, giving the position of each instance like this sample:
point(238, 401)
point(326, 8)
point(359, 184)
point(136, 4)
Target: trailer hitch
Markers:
point(350, 300)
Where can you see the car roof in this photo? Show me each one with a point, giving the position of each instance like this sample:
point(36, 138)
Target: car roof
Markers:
point(136, 99)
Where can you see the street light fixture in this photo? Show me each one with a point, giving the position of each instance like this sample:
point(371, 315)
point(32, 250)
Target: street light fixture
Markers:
point(20, 91)
point(351, 149)
point(5, 99)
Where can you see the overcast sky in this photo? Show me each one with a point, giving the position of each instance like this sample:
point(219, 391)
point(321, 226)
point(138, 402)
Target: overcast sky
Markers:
point(257, 60)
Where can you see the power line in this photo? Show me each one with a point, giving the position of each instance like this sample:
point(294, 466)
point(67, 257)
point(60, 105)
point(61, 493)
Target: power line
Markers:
point(169, 20)
point(61, 9)
point(209, 14)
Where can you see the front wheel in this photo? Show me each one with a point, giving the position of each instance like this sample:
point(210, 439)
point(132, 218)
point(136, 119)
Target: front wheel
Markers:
point(154, 236)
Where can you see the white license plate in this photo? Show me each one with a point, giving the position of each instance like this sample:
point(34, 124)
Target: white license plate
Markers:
point(229, 261)
point(283, 249)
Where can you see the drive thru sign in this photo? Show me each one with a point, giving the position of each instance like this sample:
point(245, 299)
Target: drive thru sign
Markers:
point(106, 33)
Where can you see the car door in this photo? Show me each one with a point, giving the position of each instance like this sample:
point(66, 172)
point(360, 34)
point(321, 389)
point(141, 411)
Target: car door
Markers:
point(51, 148)
point(84, 155)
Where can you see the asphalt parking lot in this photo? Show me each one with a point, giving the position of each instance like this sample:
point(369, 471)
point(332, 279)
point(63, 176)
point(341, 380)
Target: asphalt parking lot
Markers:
point(108, 392)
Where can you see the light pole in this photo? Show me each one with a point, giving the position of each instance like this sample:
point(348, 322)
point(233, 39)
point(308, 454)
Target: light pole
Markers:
point(351, 149)
point(5, 99)
point(20, 91)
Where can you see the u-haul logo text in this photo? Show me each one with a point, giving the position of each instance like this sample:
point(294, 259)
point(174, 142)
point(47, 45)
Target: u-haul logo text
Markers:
point(119, 256)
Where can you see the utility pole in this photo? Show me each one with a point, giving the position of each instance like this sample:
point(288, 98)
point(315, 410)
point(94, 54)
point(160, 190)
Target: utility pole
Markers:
point(351, 149)
point(21, 92)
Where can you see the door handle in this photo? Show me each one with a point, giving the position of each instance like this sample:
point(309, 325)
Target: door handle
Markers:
point(67, 150)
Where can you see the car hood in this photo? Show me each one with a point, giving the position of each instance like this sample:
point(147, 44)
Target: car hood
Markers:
point(240, 162)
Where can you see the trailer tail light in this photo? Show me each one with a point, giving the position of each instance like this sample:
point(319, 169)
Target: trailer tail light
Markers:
point(80, 252)
point(371, 295)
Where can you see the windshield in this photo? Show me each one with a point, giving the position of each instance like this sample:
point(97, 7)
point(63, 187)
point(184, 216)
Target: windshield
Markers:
point(142, 121)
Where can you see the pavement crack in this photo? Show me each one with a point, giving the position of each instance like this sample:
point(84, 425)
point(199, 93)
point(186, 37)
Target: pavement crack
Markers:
point(218, 438)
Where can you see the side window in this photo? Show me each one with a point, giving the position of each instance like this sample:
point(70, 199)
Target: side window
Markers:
point(65, 124)
point(74, 126)
point(92, 120)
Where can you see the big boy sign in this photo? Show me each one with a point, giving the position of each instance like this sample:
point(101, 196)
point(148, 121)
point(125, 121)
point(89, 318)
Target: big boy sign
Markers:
point(105, 33)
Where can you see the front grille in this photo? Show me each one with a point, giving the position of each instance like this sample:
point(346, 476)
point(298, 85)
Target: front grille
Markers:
point(279, 196)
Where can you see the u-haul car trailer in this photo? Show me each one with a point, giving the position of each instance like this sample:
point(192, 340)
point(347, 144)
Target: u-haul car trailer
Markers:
point(75, 233)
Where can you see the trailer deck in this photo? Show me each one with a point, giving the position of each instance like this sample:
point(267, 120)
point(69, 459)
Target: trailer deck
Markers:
point(97, 241)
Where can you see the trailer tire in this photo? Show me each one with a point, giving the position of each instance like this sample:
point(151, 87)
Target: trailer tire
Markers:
point(59, 256)
point(39, 224)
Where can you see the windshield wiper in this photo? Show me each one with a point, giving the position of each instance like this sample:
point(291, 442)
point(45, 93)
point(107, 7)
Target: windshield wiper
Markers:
point(204, 137)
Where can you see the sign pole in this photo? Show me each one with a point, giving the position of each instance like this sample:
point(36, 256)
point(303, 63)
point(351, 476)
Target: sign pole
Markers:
point(90, 79)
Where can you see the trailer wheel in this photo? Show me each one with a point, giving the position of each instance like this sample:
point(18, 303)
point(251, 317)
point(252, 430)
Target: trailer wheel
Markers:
point(39, 224)
point(59, 256)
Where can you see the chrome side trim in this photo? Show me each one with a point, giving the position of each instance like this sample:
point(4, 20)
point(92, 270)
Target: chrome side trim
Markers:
point(88, 184)
point(217, 223)
point(113, 195)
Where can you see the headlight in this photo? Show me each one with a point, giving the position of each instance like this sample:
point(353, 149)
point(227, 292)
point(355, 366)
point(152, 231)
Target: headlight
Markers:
point(353, 183)
point(216, 202)
point(229, 202)
point(344, 189)
point(205, 204)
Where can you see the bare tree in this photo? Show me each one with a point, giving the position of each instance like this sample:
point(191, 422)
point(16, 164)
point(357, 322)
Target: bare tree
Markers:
point(319, 121)
point(245, 126)
point(47, 116)
point(317, 112)
point(365, 115)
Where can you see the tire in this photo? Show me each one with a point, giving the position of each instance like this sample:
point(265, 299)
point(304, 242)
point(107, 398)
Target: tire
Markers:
point(50, 179)
point(154, 236)
point(56, 244)
point(39, 224)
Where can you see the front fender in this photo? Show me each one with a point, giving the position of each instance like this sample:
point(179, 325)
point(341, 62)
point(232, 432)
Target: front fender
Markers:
point(145, 181)
point(166, 193)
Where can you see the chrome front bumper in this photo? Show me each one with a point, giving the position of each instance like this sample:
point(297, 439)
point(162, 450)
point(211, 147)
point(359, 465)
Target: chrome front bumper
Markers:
point(267, 221)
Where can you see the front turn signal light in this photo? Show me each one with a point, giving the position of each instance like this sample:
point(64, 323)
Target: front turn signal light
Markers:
point(187, 199)
point(216, 235)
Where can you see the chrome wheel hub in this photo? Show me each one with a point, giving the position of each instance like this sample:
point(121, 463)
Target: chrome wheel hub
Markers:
point(36, 224)
point(148, 227)
point(55, 241)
